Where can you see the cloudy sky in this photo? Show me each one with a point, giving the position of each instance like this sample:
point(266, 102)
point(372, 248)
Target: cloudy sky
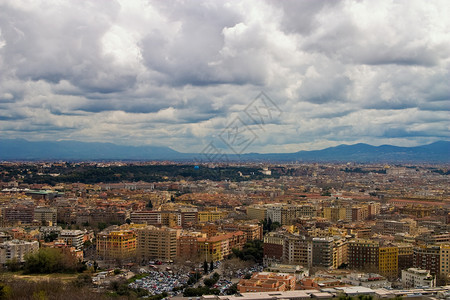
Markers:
point(183, 73)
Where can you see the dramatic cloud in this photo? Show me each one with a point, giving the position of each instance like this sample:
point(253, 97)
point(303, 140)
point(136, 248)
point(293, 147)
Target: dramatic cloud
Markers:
point(178, 73)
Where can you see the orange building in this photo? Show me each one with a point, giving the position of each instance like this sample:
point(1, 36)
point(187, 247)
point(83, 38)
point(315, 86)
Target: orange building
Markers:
point(267, 282)
point(187, 246)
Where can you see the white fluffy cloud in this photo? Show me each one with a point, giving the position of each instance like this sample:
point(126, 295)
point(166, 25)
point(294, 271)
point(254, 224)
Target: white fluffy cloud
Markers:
point(177, 73)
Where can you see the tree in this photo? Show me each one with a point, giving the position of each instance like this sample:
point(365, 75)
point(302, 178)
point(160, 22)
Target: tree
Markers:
point(269, 224)
point(51, 260)
point(50, 237)
point(13, 264)
point(209, 282)
point(205, 267)
point(252, 250)
point(101, 226)
point(149, 204)
point(5, 291)
point(211, 266)
point(82, 280)
point(274, 226)
point(232, 289)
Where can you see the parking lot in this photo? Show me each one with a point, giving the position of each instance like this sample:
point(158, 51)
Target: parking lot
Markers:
point(158, 282)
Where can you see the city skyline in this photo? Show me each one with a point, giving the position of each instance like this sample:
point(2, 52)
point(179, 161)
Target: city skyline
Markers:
point(179, 74)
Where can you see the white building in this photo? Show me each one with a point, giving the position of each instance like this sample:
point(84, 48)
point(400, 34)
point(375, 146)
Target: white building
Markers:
point(73, 238)
point(274, 213)
point(416, 278)
point(369, 280)
point(17, 249)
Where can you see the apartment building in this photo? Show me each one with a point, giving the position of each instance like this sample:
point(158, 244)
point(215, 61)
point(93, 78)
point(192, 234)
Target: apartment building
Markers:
point(444, 260)
point(273, 246)
point(16, 249)
point(73, 238)
point(335, 214)
point(363, 254)
point(45, 215)
point(417, 278)
point(16, 214)
point(427, 257)
point(210, 216)
point(289, 214)
point(340, 255)
point(297, 250)
point(322, 252)
point(187, 246)
point(388, 261)
point(157, 243)
point(405, 257)
point(257, 212)
point(146, 217)
point(116, 244)
point(392, 226)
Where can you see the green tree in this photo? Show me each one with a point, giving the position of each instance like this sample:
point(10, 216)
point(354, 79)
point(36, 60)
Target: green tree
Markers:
point(50, 237)
point(101, 226)
point(274, 226)
point(13, 264)
point(82, 280)
point(205, 267)
point(5, 291)
point(209, 282)
point(232, 289)
point(149, 204)
point(51, 260)
point(211, 266)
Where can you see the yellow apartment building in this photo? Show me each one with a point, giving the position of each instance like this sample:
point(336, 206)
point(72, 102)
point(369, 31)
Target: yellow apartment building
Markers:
point(388, 261)
point(210, 216)
point(120, 244)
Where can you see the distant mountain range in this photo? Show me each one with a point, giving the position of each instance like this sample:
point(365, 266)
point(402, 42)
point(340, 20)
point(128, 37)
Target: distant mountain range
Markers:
point(19, 149)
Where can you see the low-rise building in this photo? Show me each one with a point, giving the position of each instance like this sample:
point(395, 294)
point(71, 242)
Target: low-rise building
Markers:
point(416, 278)
point(267, 282)
point(369, 280)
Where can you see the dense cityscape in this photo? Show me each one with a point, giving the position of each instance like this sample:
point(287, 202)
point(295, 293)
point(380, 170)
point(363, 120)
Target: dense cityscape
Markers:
point(224, 149)
point(228, 231)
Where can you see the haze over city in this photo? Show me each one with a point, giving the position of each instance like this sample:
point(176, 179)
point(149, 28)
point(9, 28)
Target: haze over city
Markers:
point(177, 73)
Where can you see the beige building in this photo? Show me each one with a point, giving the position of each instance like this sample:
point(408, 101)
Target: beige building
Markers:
point(340, 255)
point(335, 214)
point(257, 212)
point(445, 259)
point(45, 215)
point(157, 243)
point(297, 250)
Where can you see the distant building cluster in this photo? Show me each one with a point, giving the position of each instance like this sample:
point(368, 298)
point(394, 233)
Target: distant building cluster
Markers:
point(321, 226)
